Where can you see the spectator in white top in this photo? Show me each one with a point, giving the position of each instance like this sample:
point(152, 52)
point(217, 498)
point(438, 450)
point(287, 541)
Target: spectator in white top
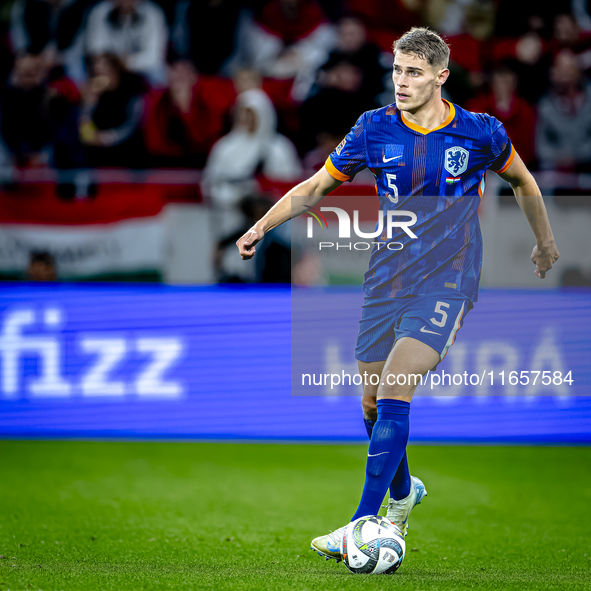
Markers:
point(135, 31)
point(252, 147)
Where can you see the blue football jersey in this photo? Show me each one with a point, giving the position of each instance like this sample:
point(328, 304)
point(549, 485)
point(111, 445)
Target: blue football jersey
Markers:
point(439, 176)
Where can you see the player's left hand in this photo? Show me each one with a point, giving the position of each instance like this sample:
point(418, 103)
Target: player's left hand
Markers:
point(544, 259)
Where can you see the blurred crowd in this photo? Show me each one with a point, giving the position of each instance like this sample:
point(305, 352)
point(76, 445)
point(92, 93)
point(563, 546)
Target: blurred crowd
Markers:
point(244, 88)
point(190, 83)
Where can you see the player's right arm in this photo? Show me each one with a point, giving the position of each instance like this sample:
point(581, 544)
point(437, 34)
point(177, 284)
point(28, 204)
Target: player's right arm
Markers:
point(298, 200)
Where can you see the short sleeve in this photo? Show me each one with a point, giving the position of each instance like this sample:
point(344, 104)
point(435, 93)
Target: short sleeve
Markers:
point(350, 156)
point(502, 151)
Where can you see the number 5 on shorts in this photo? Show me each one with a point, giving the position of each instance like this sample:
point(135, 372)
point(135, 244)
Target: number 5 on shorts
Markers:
point(443, 313)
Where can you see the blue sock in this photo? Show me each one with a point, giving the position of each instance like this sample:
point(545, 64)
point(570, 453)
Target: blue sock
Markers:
point(369, 427)
point(400, 485)
point(387, 447)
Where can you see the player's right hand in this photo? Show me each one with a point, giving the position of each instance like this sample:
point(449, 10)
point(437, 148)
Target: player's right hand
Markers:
point(246, 244)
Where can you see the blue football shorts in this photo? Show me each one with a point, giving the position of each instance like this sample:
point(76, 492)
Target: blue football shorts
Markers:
point(433, 319)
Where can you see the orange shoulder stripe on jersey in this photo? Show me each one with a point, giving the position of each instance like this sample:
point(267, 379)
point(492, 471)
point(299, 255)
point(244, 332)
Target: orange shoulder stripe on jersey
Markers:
point(335, 173)
point(508, 162)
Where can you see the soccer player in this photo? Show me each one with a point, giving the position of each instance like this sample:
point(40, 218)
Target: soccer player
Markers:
point(428, 157)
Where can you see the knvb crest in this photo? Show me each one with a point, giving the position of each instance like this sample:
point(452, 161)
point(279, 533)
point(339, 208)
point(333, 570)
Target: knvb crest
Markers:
point(456, 160)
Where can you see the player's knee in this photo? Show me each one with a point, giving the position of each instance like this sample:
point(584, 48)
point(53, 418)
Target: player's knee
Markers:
point(370, 411)
point(394, 386)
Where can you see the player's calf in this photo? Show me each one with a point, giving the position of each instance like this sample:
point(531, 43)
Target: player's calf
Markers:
point(370, 411)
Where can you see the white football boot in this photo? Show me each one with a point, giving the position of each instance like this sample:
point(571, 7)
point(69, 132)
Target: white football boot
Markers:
point(329, 545)
point(398, 511)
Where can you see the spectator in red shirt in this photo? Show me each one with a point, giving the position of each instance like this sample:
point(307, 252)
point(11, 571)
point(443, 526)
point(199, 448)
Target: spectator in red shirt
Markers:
point(387, 19)
point(183, 121)
point(470, 49)
point(503, 102)
point(287, 40)
point(568, 35)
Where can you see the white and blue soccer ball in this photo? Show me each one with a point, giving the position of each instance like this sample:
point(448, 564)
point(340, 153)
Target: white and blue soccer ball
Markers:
point(373, 545)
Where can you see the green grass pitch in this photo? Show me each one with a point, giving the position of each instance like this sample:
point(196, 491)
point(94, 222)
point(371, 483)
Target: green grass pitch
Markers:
point(152, 515)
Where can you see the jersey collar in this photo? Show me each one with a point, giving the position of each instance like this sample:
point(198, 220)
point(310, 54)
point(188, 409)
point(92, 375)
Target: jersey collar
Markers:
point(424, 130)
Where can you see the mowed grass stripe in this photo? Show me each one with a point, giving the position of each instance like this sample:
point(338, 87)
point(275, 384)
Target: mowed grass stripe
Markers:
point(152, 515)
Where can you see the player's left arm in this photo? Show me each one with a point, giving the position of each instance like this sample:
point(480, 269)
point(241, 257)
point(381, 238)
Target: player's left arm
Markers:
point(529, 197)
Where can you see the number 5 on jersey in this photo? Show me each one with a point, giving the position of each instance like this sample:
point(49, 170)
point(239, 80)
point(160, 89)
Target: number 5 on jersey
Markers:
point(391, 178)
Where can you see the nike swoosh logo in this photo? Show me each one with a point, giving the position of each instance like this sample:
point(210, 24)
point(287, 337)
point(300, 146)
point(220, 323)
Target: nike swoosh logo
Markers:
point(374, 455)
point(424, 329)
point(389, 159)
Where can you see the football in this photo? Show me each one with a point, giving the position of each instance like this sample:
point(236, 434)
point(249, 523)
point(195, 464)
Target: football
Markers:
point(373, 545)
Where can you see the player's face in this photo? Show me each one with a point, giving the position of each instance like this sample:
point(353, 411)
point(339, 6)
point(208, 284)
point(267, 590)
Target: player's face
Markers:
point(415, 81)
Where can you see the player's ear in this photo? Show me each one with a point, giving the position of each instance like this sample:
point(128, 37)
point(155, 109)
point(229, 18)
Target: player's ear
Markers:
point(442, 76)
